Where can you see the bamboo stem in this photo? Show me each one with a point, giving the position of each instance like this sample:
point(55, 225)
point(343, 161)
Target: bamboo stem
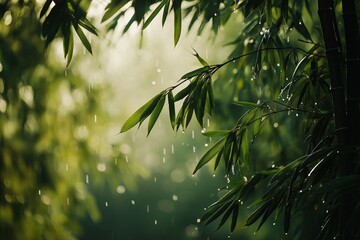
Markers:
point(334, 58)
point(352, 64)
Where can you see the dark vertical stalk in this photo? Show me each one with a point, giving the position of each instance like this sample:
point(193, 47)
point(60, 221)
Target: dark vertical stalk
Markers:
point(352, 64)
point(336, 66)
point(334, 58)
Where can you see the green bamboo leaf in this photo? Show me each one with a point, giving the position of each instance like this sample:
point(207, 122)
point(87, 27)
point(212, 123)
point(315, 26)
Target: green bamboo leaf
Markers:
point(165, 13)
point(82, 37)
point(71, 48)
point(68, 43)
point(200, 59)
point(227, 214)
point(210, 154)
point(195, 72)
point(171, 102)
point(245, 147)
point(234, 217)
point(221, 210)
point(155, 113)
point(177, 21)
point(216, 133)
point(244, 104)
point(112, 8)
point(268, 13)
point(141, 113)
point(184, 92)
point(189, 113)
point(287, 217)
point(154, 13)
point(65, 29)
point(85, 23)
point(257, 214)
point(45, 8)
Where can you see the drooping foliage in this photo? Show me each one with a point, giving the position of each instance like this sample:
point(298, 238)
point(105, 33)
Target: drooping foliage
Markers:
point(306, 56)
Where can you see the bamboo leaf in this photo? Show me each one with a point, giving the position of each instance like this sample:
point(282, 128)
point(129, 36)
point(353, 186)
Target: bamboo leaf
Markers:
point(113, 8)
point(45, 8)
point(210, 154)
point(141, 113)
point(257, 214)
point(165, 13)
point(234, 217)
point(171, 102)
point(194, 73)
point(216, 133)
point(85, 23)
point(177, 21)
point(155, 113)
point(82, 37)
point(244, 104)
point(200, 59)
point(154, 13)
point(245, 147)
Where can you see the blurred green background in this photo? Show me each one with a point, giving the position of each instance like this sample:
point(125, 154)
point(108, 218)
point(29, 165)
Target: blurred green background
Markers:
point(66, 173)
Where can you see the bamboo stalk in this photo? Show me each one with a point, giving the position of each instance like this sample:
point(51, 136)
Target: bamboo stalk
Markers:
point(352, 64)
point(334, 58)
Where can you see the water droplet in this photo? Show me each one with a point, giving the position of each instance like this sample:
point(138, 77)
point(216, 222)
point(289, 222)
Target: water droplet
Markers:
point(126, 159)
point(273, 165)
point(67, 167)
point(101, 167)
point(158, 70)
point(39, 192)
point(278, 64)
point(192, 134)
point(214, 175)
point(245, 179)
point(106, 204)
point(155, 222)
point(132, 202)
point(297, 114)
point(164, 160)
point(87, 179)
point(153, 82)
point(95, 118)
point(67, 201)
point(194, 149)
point(120, 189)
point(155, 179)
point(172, 149)
point(274, 223)
point(198, 220)
point(206, 145)
point(276, 125)
point(147, 208)
point(175, 198)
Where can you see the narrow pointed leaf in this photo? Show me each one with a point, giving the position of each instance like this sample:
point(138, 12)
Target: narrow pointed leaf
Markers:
point(166, 12)
point(113, 8)
point(45, 8)
point(245, 104)
point(154, 13)
point(70, 47)
point(234, 217)
point(210, 154)
point(155, 113)
point(177, 21)
point(171, 102)
point(82, 37)
point(216, 133)
point(141, 113)
point(194, 73)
